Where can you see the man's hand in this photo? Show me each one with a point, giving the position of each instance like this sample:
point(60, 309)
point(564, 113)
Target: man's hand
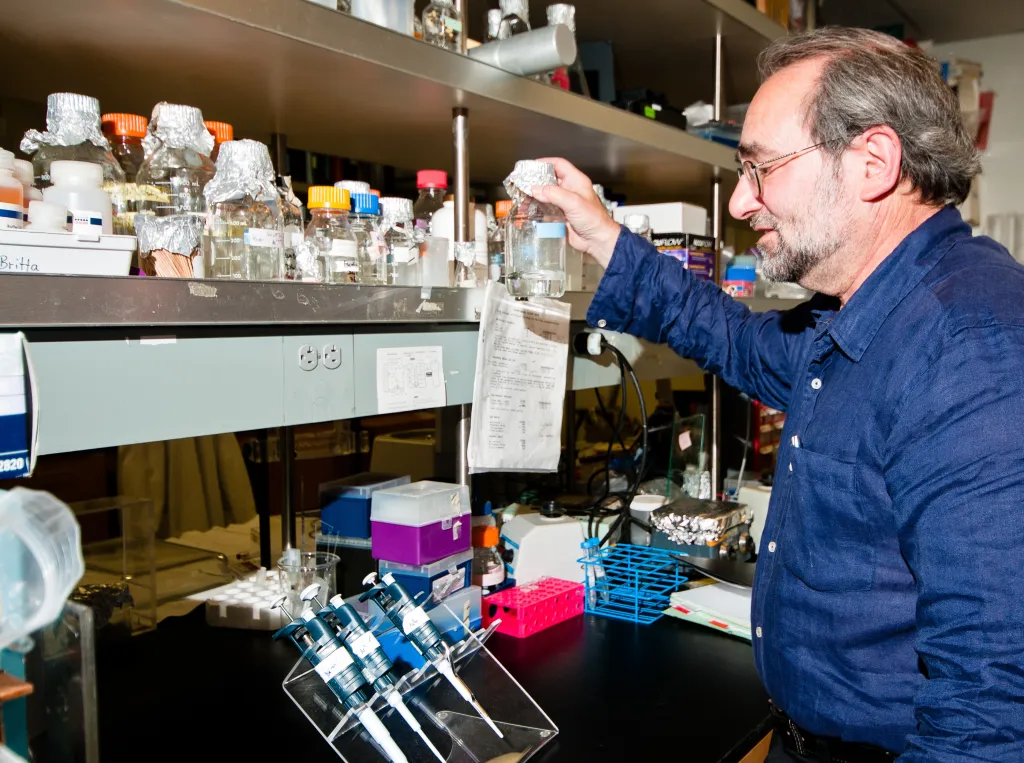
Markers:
point(590, 228)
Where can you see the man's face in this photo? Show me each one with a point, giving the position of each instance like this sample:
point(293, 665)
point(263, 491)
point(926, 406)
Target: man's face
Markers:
point(803, 210)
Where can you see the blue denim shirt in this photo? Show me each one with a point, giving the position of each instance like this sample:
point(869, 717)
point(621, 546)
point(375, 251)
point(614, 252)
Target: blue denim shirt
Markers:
point(887, 600)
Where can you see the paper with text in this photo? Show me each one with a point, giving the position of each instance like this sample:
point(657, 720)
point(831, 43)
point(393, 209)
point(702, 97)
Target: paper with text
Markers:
point(409, 379)
point(521, 362)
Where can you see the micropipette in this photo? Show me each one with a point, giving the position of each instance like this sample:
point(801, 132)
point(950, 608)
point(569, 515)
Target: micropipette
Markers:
point(369, 656)
point(414, 623)
point(334, 664)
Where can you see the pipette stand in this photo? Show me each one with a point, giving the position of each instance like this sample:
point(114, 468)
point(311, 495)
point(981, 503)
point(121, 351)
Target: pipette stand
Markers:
point(448, 720)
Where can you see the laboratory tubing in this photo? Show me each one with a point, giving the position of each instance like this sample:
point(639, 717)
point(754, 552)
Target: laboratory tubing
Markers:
point(72, 134)
point(432, 185)
point(222, 133)
point(125, 133)
point(244, 230)
point(442, 25)
point(334, 664)
point(46, 216)
point(23, 172)
point(414, 623)
point(515, 18)
point(639, 224)
point(535, 235)
point(78, 186)
point(402, 253)
point(171, 213)
point(292, 223)
point(329, 232)
point(372, 251)
point(12, 194)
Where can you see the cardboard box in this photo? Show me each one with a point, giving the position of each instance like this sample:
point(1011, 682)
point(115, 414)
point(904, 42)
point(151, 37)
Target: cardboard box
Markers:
point(673, 217)
point(697, 253)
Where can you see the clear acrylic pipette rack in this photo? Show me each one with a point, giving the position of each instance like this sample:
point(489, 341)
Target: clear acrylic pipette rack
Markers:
point(449, 721)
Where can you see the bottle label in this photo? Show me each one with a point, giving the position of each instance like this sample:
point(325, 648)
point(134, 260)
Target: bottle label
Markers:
point(343, 248)
point(454, 24)
point(11, 215)
point(85, 221)
point(334, 663)
point(403, 254)
point(550, 230)
point(413, 620)
point(263, 238)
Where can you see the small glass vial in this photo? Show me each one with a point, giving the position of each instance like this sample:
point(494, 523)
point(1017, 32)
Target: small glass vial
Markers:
point(442, 26)
point(372, 253)
point(403, 255)
point(535, 235)
point(515, 18)
point(125, 133)
point(639, 224)
point(12, 194)
point(222, 132)
point(72, 134)
point(244, 220)
point(79, 187)
point(329, 232)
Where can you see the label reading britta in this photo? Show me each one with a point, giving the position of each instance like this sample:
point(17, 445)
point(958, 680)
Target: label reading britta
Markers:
point(333, 664)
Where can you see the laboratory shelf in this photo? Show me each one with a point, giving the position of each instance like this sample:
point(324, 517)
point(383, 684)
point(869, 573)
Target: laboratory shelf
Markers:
point(332, 83)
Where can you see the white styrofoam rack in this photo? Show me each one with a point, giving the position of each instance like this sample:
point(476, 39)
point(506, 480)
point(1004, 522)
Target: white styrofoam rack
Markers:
point(82, 254)
point(246, 603)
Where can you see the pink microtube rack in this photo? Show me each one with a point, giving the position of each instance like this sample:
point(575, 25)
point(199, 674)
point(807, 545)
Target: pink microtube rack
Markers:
point(525, 610)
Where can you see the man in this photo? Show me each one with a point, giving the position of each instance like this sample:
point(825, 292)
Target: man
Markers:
point(886, 610)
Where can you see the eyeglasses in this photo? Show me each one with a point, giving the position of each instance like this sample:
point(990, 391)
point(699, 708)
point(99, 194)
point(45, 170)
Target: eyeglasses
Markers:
point(753, 174)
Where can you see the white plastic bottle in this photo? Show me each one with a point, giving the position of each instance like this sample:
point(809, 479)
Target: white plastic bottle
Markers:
point(79, 187)
point(12, 195)
point(24, 173)
point(47, 216)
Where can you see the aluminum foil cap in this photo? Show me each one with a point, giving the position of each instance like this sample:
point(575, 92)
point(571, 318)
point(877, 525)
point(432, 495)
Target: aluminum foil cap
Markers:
point(71, 119)
point(562, 13)
point(177, 126)
point(243, 169)
point(520, 8)
point(493, 22)
point(395, 210)
point(307, 261)
point(178, 234)
point(528, 174)
point(353, 186)
point(637, 222)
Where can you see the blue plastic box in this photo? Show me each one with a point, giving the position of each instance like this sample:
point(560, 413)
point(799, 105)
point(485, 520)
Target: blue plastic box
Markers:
point(434, 581)
point(345, 503)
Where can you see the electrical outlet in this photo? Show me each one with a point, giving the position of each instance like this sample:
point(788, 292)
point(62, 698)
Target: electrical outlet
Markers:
point(307, 357)
point(332, 356)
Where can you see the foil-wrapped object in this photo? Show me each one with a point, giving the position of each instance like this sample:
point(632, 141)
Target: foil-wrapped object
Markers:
point(243, 169)
point(527, 175)
point(693, 522)
point(177, 126)
point(520, 8)
point(465, 252)
point(394, 210)
point(177, 234)
point(493, 23)
point(71, 119)
point(307, 262)
point(562, 13)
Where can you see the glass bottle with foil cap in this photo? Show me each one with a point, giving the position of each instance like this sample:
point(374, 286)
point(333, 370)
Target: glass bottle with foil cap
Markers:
point(535, 235)
point(330, 233)
point(172, 209)
point(222, 132)
point(442, 25)
point(72, 134)
point(365, 223)
point(515, 18)
point(402, 251)
point(125, 133)
point(244, 221)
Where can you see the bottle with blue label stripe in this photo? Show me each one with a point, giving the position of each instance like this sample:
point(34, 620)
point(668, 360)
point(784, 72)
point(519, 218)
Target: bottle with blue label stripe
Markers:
point(79, 187)
point(12, 194)
point(535, 235)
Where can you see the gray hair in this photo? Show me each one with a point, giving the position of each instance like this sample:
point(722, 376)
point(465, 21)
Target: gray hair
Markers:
point(871, 79)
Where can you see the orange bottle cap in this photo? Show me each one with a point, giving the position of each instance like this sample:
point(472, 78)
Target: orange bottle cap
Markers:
point(222, 131)
point(502, 208)
point(129, 125)
point(329, 197)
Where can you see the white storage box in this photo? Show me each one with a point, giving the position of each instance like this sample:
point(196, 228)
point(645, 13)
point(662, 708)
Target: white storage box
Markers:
point(80, 254)
point(672, 217)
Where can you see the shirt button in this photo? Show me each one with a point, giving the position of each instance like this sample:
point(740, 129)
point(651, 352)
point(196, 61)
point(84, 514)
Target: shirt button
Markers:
point(758, 631)
point(815, 383)
point(791, 466)
point(771, 547)
point(602, 323)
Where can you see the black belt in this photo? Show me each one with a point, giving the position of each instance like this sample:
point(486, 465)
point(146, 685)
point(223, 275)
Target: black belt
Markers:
point(826, 749)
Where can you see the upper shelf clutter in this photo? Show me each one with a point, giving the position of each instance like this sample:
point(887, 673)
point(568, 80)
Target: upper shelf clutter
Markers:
point(334, 84)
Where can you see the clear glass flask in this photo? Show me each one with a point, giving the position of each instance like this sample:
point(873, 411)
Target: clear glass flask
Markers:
point(535, 235)
point(365, 223)
point(442, 26)
point(244, 228)
point(402, 251)
point(330, 233)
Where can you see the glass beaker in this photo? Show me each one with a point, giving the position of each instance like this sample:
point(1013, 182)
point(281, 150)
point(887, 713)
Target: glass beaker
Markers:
point(297, 570)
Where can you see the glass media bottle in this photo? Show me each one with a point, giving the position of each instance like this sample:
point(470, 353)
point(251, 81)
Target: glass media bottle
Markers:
point(535, 235)
point(402, 256)
point(372, 253)
point(329, 231)
point(442, 26)
point(125, 133)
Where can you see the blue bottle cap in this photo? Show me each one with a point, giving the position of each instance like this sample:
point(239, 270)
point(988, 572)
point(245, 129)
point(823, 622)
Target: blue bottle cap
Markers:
point(365, 204)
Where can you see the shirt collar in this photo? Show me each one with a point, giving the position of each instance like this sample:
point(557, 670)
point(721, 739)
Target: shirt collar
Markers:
point(856, 324)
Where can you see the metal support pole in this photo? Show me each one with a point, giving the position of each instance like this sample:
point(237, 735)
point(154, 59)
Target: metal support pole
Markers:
point(570, 440)
point(287, 445)
point(716, 232)
point(461, 7)
point(810, 15)
point(460, 136)
point(718, 105)
point(462, 445)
